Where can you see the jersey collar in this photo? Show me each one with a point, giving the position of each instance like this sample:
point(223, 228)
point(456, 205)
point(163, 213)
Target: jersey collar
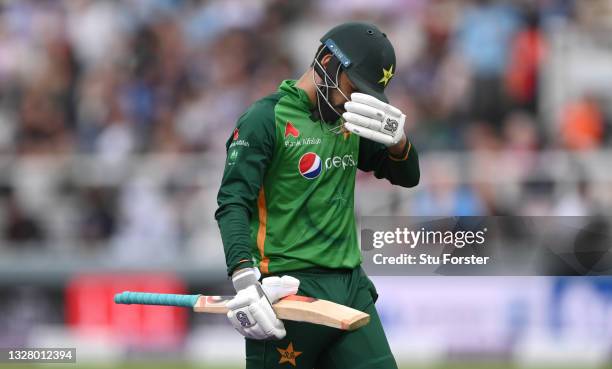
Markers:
point(288, 87)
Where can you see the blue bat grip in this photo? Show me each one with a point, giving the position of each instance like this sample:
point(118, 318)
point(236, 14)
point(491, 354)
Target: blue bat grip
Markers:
point(166, 299)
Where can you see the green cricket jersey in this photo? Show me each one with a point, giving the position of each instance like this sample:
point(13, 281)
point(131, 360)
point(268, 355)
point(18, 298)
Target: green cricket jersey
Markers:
point(286, 200)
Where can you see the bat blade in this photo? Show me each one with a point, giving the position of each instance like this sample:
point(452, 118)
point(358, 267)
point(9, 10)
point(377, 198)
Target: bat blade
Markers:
point(298, 308)
point(331, 314)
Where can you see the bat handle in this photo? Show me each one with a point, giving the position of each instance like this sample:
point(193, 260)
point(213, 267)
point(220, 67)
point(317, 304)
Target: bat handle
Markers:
point(166, 299)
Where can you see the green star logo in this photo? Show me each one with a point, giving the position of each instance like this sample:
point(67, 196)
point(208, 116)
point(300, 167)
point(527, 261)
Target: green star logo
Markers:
point(387, 74)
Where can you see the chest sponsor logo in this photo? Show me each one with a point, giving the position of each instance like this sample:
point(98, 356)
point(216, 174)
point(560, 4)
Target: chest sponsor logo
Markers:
point(311, 165)
point(293, 139)
point(303, 142)
point(290, 130)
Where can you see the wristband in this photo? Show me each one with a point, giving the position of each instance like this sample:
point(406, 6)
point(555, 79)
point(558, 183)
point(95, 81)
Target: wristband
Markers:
point(244, 278)
point(404, 154)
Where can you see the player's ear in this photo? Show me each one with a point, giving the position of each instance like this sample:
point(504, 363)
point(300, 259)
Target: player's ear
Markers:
point(325, 60)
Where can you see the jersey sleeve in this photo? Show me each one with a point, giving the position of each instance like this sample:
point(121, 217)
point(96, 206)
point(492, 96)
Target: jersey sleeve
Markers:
point(403, 171)
point(249, 151)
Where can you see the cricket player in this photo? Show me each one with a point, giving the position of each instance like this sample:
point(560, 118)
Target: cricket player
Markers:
point(286, 202)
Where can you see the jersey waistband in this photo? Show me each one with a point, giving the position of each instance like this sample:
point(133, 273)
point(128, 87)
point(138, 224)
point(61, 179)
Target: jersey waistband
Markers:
point(316, 271)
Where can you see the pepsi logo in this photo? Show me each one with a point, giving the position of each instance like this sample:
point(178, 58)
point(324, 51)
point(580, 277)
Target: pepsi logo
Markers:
point(310, 165)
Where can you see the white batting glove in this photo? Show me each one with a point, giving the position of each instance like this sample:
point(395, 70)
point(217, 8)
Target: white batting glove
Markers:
point(371, 118)
point(250, 311)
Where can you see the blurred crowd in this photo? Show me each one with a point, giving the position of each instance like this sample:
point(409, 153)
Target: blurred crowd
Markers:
point(114, 79)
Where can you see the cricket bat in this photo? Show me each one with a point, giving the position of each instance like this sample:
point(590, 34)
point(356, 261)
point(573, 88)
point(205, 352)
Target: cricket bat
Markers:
point(293, 307)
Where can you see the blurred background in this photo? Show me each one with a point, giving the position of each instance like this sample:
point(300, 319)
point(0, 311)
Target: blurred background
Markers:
point(113, 119)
